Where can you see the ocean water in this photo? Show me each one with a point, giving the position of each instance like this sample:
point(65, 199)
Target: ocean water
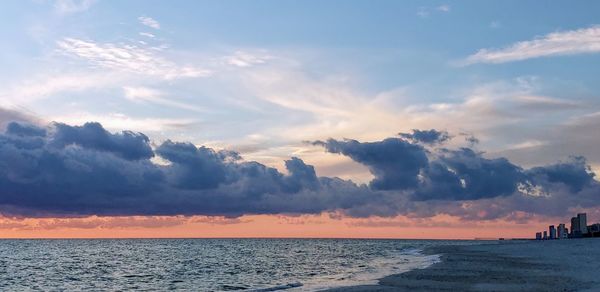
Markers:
point(205, 264)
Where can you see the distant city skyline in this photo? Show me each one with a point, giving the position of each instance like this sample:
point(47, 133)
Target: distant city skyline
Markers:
point(579, 229)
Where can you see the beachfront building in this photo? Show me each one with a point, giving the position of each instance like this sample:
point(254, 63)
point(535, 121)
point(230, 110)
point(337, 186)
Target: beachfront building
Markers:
point(579, 225)
point(545, 235)
point(562, 231)
point(538, 235)
point(552, 232)
point(575, 227)
point(582, 218)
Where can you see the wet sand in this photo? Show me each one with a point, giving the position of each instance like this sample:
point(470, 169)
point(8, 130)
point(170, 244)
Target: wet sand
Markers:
point(559, 265)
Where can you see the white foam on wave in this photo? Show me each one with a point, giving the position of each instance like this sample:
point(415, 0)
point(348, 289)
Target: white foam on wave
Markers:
point(280, 287)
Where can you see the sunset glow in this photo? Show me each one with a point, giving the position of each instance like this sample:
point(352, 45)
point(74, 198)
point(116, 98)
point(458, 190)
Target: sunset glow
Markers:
point(268, 226)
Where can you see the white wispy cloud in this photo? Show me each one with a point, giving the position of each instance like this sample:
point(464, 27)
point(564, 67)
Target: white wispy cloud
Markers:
point(443, 8)
point(423, 12)
point(580, 41)
point(333, 105)
point(246, 59)
point(426, 11)
point(527, 144)
point(543, 103)
point(72, 6)
point(149, 21)
point(147, 34)
point(145, 94)
point(129, 58)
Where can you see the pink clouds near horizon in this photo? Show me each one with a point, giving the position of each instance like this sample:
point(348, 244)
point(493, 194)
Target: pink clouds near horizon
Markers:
point(273, 226)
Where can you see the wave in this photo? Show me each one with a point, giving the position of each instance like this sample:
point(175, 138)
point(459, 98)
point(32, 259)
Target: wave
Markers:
point(370, 273)
point(280, 287)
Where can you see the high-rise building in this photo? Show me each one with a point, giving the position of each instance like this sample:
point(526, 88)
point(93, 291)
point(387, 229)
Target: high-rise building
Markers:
point(575, 227)
point(538, 235)
point(562, 231)
point(552, 232)
point(545, 235)
point(582, 220)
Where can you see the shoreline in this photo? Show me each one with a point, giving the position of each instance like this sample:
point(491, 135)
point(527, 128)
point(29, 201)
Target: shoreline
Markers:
point(559, 265)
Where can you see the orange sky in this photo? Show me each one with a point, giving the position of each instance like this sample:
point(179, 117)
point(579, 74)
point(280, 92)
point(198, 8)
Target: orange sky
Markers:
point(439, 227)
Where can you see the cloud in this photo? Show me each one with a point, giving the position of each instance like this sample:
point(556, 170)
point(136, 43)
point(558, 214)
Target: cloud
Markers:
point(148, 21)
point(73, 171)
point(145, 94)
point(580, 41)
point(569, 137)
point(193, 167)
point(147, 34)
point(575, 173)
point(72, 6)
point(395, 163)
point(18, 129)
point(127, 144)
point(97, 222)
point(426, 11)
point(328, 106)
point(526, 144)
point(470, 138)
point(461, 175)
point(443, 8)
point(465, 175)
point(423, 12)
point(452, 175)
point(430, 137)
point(544, 103)
point(128, 58)
point(246, 59)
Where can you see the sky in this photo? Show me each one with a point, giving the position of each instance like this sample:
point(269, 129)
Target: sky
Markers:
point(393, 119)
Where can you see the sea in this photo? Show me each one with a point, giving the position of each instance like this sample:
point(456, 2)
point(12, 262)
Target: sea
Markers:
point(206, 264)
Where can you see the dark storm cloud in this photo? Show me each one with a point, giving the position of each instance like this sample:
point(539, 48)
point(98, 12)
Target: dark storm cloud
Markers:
point(430, 137)
point(469, 138)
point(575, 174)
point(301, 175)
point(464, 183)
point(24, 130)
point(394, 162)
point(126, 144)
point(194, 167)
point(72, 171)
point(64, 170)
point(465, 175)
point(452, 174)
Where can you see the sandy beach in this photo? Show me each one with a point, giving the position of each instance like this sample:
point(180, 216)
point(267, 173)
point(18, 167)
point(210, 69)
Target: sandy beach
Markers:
point(559, 265)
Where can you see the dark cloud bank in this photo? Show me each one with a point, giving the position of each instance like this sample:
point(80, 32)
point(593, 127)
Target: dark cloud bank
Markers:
point(67, 171)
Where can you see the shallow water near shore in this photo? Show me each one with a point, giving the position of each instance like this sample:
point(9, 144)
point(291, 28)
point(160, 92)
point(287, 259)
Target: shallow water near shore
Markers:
point(554, 265)
point(206, 264)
